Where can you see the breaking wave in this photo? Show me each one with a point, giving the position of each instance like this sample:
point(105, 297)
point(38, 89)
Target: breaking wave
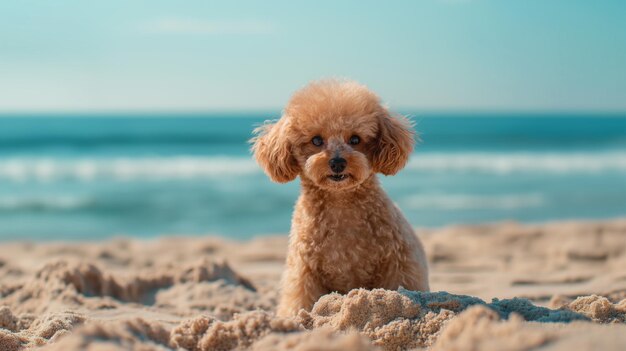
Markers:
point(189, 167)
point(44, 203)
point(504, 163)
point(473, 202)
point(125, 169)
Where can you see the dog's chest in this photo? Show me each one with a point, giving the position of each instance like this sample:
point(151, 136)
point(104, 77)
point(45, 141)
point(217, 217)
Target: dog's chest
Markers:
point(350, 265)
point(349, 251)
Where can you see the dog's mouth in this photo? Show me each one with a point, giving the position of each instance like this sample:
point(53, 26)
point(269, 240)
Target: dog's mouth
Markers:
point(338, 177)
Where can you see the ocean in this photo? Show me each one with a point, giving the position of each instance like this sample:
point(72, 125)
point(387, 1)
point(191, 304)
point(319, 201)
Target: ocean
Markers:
point(96, 176)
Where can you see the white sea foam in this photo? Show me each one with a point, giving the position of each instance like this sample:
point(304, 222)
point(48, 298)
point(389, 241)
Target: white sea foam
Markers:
point(504, 163)
point(189, 167)
point(473, 202)
point(53, 202)
point(157, 168)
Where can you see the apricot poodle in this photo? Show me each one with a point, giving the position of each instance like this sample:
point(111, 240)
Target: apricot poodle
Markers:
point(345, 233)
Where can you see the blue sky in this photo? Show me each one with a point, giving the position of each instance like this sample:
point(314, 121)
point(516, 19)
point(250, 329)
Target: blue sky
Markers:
point(121, 55)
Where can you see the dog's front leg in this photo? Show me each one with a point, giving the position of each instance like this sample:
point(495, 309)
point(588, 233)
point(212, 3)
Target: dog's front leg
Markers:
point(300, 289)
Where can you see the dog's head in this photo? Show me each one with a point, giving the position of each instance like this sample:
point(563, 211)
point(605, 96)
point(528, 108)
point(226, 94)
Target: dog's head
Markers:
point(335, 134)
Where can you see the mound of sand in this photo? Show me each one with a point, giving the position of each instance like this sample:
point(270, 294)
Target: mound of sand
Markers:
point(387, 320)
point(515, 288)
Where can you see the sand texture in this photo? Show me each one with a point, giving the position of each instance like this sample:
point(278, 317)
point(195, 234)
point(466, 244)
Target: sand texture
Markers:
point(505, 286)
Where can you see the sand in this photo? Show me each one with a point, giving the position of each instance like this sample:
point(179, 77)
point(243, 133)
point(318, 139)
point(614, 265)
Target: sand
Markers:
point(504, 286)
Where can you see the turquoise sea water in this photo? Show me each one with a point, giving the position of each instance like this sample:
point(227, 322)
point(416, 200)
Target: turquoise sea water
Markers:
point(90, 177)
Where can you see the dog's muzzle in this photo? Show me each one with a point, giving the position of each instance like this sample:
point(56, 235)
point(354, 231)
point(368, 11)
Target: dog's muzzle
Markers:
point(337, 164)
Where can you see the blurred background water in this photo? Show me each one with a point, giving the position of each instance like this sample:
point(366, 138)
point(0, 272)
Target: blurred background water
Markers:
point(70, 177)
point(90, 147)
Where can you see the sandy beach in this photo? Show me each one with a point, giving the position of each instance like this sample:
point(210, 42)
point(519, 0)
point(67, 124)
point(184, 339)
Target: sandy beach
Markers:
point(504, 286)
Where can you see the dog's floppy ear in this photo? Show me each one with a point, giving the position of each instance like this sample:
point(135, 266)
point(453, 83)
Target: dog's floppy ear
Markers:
point(395, 143)
point(272, 151)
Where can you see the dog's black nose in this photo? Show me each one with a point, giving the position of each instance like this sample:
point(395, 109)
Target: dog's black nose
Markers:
point(337, 164)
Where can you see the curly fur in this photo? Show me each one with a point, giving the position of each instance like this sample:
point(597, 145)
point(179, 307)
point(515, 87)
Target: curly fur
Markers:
point(344, 234)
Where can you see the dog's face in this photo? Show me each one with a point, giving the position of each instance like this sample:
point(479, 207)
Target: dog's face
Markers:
point(335, 134)
point(334, 151)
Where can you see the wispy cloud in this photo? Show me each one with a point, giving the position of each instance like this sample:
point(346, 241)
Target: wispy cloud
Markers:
point(456, 1)
point(193, 26)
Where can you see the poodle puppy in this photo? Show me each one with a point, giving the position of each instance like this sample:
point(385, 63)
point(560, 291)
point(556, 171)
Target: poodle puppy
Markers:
point(345, 233)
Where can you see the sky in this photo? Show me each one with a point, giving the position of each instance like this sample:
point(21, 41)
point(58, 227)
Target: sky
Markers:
point(153, 55)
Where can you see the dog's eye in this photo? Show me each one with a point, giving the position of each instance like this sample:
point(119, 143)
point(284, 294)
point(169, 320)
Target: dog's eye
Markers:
point(317, 140)
point(354, 140)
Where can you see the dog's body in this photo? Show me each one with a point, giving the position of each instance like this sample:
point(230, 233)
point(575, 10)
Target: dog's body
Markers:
point(346, 233)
